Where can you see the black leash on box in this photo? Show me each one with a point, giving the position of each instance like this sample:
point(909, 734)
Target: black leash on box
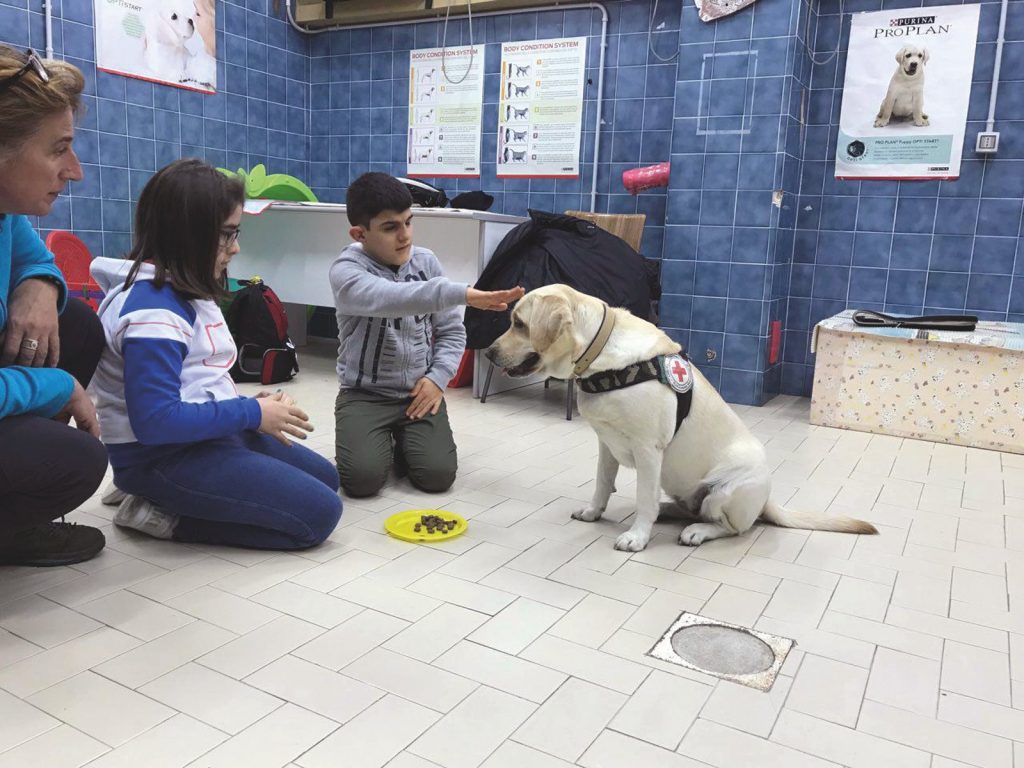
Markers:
point(871, 319)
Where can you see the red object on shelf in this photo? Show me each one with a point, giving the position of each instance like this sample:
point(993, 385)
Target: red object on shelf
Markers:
point(638, 179)
point(73, 258)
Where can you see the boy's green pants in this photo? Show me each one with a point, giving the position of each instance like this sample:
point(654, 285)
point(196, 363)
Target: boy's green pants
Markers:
point(369, 429)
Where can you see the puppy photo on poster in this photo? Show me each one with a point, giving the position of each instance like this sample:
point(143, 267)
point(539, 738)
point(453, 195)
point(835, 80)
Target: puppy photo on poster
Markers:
point(172, 42)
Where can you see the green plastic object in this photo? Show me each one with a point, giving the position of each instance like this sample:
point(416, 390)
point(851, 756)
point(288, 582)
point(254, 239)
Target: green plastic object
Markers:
point(276, 186)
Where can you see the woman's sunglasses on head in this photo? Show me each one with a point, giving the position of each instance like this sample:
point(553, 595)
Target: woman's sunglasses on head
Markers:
point(32, 62)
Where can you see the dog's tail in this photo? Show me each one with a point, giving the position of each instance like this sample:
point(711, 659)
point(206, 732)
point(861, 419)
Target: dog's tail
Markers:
point(786, 518)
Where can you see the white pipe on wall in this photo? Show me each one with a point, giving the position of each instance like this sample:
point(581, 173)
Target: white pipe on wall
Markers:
point(540, 9)
point(600, 96)
point(48, 14)
point(998, 65)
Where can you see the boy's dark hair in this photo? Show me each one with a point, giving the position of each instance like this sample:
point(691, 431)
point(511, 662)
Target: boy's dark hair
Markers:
point(372, 194)
point(178, 224)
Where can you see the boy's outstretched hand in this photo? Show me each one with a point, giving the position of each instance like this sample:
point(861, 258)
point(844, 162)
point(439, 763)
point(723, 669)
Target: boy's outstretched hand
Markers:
point(426, 398)
point(495, 301)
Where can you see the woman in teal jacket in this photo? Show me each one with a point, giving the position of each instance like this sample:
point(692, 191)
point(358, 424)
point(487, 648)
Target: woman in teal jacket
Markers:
point(50, 346)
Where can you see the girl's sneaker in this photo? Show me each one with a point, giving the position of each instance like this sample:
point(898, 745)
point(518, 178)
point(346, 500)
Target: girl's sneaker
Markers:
point(142, 515)
point(113, 495)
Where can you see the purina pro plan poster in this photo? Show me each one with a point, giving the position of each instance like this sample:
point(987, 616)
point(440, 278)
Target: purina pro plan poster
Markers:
point(907, 88)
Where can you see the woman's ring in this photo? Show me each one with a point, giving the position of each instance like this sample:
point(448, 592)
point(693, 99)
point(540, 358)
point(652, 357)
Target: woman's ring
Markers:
point(30, 344)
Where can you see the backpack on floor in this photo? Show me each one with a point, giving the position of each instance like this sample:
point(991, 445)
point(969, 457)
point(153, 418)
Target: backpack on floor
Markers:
point(259, 325)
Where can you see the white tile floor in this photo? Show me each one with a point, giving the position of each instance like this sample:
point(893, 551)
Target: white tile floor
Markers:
point(521, 644)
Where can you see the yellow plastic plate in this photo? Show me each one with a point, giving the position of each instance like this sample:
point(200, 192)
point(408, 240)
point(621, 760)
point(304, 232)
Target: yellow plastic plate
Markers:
point(402, 525)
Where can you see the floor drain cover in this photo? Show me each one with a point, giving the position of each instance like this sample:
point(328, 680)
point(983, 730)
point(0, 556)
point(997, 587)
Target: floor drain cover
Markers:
point(724, 650)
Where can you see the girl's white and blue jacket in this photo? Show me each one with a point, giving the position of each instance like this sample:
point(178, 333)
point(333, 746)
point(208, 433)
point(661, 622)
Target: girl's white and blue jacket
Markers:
point(163, 380)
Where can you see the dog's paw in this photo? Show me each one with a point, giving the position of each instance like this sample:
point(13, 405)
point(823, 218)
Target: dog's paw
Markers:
point(922, 122)
point(588, 514)
point(632, 541)
point(880, 123)
point(696, 534)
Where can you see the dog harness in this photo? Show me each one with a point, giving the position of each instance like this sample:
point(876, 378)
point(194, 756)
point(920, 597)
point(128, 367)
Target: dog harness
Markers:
point(674, 371)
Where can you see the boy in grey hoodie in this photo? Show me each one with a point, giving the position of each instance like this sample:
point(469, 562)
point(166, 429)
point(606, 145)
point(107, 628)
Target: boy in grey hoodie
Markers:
point(401, 338)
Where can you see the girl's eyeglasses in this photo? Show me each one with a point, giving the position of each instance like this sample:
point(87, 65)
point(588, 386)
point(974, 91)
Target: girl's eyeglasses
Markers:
point(229, 237)
point(32, 62)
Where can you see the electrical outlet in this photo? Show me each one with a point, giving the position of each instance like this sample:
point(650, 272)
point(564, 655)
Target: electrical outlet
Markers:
point(988, 143)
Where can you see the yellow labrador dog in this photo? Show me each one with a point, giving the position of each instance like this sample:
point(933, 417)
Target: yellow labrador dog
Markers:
point(905, 97)
point(711, 465)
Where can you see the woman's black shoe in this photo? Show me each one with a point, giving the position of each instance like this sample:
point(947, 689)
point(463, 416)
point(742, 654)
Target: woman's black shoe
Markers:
point(52, 544)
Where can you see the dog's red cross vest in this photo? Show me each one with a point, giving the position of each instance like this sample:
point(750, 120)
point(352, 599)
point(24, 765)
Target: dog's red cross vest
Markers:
point(674, 371)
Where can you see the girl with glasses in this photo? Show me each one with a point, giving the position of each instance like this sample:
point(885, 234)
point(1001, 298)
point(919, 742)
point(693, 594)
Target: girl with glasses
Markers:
point(50, 346)
point(198, 462)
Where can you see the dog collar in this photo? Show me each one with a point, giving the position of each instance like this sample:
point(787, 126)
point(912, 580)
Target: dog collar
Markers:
point(596, 346)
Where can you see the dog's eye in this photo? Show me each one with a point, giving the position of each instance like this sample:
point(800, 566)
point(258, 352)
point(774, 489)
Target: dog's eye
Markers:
point(518, 323)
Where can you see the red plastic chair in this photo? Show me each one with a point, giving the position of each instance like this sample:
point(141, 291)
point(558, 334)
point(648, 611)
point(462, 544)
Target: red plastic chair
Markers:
point(73, 259)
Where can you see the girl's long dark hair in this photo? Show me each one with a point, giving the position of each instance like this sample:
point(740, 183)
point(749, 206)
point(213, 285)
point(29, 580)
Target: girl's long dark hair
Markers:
point(178, 224)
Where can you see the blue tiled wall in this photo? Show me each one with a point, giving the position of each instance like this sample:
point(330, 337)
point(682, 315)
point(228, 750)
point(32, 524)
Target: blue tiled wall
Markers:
point(753, 115)
point(908, 247)
point(131, 127)
point(359, 100)
point(725, 264)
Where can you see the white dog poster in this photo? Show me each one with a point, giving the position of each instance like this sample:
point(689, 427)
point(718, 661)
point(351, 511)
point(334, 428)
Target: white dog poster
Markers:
point(905, 99)
point(165, 41)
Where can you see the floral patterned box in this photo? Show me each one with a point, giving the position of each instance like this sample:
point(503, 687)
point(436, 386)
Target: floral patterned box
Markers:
point(965, 388)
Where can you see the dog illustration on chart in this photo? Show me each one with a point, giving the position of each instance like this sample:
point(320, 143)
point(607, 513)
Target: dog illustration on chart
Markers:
point(426, 115)
point(427, 94)
point(521, 90)
point(520, 114)
point(522, 71)
point(428, 75)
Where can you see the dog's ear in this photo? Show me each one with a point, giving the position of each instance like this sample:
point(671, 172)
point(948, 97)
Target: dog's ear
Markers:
point(549, 318)
point(899, 54)
point(924, 55)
